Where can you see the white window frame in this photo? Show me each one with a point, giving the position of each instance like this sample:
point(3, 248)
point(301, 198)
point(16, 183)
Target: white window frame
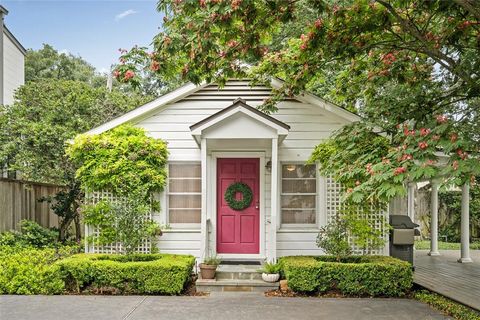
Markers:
point(317, 197)
point(194, 226)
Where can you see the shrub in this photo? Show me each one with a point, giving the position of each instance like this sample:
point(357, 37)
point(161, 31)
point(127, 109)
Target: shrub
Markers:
point(353, 275)
point(333, 239)
point(135, 274)
point(451, 308)
point(31, 235)
point(30, 271)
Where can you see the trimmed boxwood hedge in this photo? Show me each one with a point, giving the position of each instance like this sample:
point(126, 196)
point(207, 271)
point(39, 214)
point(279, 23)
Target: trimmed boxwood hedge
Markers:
point(133, 274)
point(30, 271)
point(353, 275)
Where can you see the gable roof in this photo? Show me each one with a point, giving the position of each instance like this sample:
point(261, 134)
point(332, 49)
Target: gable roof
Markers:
point(238, 103)
point(239, 106)
point(190, 88)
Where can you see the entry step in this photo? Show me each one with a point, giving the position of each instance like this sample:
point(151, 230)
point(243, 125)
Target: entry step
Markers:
point(230, 285)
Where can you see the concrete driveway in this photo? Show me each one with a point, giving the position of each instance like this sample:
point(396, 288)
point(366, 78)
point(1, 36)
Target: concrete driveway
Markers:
point(225, 306)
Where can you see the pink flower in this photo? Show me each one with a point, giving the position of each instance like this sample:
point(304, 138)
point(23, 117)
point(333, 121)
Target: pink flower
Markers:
point(318, 23)
point(407, 157)
point(399, 170)
point(236, 4)
point(424, 132)
point(455, 165)
point(453, 137)
point(442, 119)
point(423, 145)
point(357, 183)
point(155, 66)
point(116, 73)
point(232, 43)
point(128, 75)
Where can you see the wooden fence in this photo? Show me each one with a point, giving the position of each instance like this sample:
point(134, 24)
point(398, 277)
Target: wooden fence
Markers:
point(19, 201)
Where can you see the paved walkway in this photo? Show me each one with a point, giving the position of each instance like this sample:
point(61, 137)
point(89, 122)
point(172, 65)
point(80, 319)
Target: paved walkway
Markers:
point(225, 306)
point(443, 274)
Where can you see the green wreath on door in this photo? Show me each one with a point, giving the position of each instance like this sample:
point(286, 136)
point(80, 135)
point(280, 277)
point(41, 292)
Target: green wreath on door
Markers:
point(247, 196)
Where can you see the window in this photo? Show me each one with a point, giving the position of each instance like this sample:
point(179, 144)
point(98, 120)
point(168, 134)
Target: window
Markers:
point(184, 193)
point(299, 194)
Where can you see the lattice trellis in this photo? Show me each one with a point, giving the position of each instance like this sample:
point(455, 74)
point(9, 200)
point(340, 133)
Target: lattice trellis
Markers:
point(92, 233)
point(334, 206)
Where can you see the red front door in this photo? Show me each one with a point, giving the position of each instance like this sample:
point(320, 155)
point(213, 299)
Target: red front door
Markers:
point(238, 231)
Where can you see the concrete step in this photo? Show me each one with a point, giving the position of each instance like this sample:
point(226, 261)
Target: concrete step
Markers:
point(204, 285)
point(238, 272)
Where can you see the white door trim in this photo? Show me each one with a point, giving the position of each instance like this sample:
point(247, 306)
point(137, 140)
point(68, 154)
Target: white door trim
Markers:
point(213, 198)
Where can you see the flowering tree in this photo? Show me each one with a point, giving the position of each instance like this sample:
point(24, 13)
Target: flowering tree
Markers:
point(399, 64)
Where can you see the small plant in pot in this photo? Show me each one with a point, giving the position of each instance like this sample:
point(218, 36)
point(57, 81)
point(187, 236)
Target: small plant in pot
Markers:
point(209, 267)
point(270, 272)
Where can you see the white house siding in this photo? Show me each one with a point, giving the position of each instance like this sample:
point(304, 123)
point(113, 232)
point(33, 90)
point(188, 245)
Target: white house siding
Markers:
point(309, 125)
point(14, 70)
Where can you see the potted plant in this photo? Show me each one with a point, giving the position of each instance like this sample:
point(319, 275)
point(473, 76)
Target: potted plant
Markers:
point(270, 272)
point(208, 267)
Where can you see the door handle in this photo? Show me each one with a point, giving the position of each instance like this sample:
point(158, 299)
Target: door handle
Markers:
point(257, 205)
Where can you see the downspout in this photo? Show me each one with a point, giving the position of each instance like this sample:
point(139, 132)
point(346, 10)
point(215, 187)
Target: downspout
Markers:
point(3, 13)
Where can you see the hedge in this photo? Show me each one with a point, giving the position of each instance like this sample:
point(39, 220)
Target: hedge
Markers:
point(133, 274)
point(354, 275)
point(29, 271)
point(447, 306)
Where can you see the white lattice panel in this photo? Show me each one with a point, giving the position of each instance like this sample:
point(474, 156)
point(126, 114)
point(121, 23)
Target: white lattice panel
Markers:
point(91, 233)
point(334, 208)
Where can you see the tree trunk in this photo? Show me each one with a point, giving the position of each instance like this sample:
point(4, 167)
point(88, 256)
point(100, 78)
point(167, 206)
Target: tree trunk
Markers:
point(78, 231)
point(63, 228)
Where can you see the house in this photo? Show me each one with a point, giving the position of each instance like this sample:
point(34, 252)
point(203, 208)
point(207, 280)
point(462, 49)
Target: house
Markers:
point(12, 62)
point(217, 137)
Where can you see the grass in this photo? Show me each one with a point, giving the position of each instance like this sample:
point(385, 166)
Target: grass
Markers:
point(447, 306)
point(425, 245)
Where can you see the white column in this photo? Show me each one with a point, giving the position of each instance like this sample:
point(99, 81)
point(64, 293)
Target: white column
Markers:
point(272, 248)
point(465, 225)
point(434, 220)
point(411, 201)
point(203, 221)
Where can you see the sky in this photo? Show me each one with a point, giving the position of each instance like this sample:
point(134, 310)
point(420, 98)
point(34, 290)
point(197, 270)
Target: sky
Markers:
point(92, 29)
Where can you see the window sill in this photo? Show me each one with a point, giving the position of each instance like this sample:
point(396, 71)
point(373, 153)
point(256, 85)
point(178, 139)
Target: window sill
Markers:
point(179, 230)
point(298, 230)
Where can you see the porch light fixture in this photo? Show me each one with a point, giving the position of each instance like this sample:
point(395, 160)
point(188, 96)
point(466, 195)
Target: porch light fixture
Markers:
point(268, 165)
point(291, 167)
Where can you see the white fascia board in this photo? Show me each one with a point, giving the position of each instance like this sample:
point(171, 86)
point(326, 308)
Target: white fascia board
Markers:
point(280, 130)
point(147, 109)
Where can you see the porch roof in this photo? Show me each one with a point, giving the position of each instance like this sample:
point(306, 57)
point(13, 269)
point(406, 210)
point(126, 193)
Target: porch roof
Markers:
point(261, 124)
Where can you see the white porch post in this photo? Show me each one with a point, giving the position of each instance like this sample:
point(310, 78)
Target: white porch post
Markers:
point(272, 248)
point(411, 201)
point(434, 220)
point(465, 225)
point(203, 219)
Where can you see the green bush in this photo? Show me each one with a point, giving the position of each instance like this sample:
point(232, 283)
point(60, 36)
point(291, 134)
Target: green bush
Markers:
point(30, 271)
point(353, 275)
point(451, 308)
point(31, 235)
point(134, 274)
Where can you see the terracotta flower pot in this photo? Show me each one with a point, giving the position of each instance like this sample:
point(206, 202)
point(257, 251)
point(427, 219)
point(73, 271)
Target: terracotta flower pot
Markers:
point(207, 271)
point(270, 277)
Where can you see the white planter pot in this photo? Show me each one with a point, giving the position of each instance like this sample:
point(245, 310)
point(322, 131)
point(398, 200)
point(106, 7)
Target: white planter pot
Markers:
point(270, 277)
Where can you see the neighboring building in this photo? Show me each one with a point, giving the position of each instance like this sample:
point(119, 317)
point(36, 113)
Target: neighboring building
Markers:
point(12, 62)
point(217, 137)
